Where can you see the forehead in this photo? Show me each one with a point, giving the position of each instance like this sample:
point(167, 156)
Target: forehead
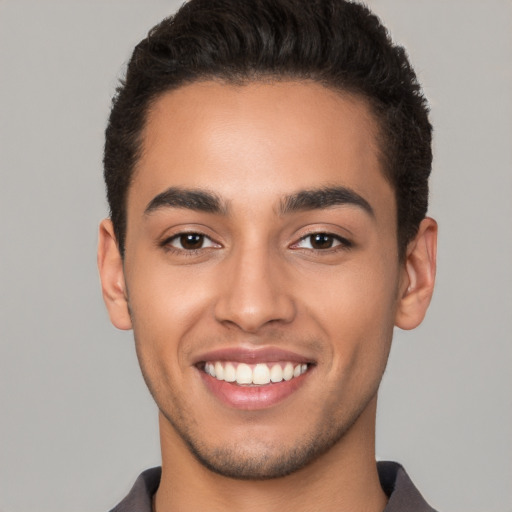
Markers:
point(258, 141)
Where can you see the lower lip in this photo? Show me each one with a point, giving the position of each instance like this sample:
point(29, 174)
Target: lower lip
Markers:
point(252, 397)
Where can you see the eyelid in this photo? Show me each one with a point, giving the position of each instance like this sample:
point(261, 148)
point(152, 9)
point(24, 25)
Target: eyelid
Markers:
point(177, 237)
point(341, 241)
point(336, 242)
point(166, 241)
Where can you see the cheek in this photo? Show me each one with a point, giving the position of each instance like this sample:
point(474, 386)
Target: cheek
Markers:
point(165, 309)
point(166, 306)
point(355, 307)
point(165, 294)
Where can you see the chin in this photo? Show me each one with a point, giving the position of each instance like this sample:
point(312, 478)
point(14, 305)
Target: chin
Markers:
point(262, 459)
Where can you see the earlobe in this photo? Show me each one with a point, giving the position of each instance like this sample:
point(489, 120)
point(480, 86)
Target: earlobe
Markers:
point(417, 285)
point(110, 266)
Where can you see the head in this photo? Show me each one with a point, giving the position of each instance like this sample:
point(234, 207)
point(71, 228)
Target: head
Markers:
point(338, 44)
point(266, 164)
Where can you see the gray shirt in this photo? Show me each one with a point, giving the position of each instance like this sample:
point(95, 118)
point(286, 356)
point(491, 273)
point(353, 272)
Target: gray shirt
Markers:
point(403, 495)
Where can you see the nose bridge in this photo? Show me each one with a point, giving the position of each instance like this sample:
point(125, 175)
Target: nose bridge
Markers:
point(254, 292)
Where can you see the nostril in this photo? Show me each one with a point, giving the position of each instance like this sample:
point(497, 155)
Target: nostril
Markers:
point(250, 311)
point(252, 293)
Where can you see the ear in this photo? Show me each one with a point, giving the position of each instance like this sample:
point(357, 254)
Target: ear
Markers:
point(110, 266)
point(418, 276)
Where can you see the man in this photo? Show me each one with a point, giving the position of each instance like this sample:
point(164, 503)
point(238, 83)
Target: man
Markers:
point(266, 164)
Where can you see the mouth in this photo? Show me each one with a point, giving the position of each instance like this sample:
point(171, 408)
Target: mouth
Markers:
point(260, 374)
point(250, 380)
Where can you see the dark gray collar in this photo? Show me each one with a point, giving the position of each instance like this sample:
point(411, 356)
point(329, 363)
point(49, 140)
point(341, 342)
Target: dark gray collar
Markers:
point(403, 495)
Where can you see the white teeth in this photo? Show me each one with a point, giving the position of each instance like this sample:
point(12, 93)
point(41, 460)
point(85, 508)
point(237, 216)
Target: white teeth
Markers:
point(229, 373)
point(243, 374)
point(219, 371)
point(288, 371)
point(210, 369)
point(276, 373)
point(259, 374)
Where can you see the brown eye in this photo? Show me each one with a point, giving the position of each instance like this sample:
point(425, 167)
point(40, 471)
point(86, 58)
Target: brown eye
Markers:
point(321, 241)
point(190, 242)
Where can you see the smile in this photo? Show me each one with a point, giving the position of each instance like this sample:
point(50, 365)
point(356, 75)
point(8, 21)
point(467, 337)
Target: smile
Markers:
point(259, 374)
point(251, 379)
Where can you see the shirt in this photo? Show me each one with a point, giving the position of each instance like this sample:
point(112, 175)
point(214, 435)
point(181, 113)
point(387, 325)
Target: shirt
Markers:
point(403, 495)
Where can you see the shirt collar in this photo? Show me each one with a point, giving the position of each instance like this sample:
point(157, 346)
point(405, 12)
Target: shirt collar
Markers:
point(403, 495)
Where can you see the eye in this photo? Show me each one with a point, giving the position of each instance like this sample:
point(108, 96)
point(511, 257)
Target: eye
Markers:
point(190, 241)
point(322, 241)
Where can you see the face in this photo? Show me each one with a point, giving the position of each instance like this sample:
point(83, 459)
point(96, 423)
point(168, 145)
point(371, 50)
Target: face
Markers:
point(261, 271)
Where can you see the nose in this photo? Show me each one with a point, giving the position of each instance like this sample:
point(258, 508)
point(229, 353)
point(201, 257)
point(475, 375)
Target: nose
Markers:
point(255, 291)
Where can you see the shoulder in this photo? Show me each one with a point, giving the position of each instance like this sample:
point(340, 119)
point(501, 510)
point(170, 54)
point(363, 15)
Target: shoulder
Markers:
point(402, 493)
point(140, 496)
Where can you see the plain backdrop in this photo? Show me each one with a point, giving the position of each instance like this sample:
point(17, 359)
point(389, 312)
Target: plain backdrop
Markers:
point(77, 423)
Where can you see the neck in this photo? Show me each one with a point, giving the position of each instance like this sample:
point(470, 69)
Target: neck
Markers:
point(343, 479)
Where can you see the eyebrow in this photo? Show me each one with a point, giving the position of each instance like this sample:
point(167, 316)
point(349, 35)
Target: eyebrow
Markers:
point(325, 197)
point(206, 201)
point(192, 199)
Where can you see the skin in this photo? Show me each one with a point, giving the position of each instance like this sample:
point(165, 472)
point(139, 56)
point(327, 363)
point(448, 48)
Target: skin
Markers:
point(260, 281)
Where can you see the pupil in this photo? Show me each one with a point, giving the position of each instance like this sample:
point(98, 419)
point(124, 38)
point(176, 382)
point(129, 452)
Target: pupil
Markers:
point(191, 241)
point(321, 241)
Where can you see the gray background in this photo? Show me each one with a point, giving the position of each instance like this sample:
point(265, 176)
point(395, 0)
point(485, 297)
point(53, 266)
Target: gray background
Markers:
point(77, 424)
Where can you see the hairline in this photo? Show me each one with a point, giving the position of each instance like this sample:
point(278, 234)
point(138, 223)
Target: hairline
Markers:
point(377, 130)
point(376, 124)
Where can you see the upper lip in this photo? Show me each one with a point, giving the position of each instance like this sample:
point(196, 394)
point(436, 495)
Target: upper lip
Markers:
point(252, 355)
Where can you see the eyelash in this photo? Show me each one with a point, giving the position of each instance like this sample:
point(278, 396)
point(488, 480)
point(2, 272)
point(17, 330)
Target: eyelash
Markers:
point(166, 244)
point(342, 243)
